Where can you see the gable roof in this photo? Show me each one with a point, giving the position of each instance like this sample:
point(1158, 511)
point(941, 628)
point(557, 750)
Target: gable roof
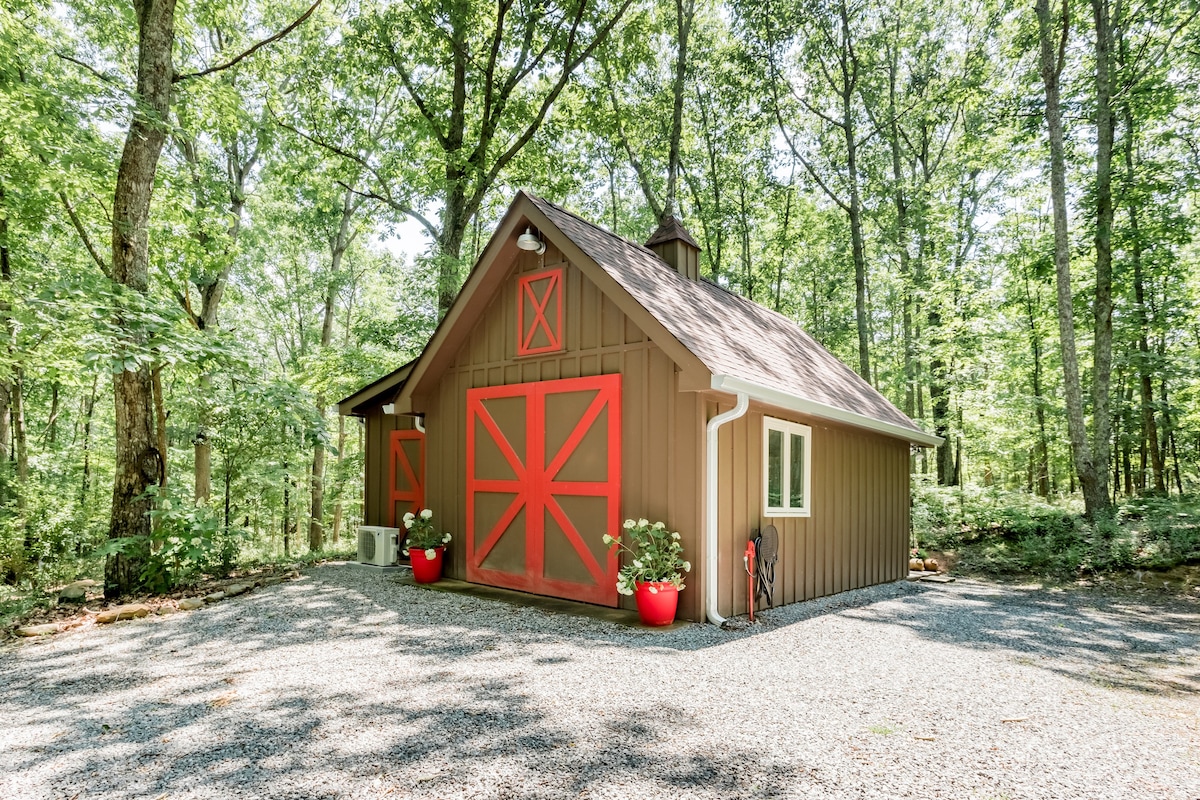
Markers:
point(719, 340)
point(745, 346)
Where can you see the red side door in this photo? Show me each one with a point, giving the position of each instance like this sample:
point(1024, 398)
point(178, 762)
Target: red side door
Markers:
point(406, 474)
point(544, 486)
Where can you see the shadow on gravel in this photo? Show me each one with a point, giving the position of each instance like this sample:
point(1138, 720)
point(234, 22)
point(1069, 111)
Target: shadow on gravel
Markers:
point(158, 707)
point(151, 708)
point(1109, 641)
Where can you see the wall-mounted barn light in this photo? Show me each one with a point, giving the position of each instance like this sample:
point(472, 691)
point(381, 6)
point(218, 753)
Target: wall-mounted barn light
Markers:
point(527, 241)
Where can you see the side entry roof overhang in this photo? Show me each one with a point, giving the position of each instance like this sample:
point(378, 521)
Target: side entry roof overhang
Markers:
point(375, 393)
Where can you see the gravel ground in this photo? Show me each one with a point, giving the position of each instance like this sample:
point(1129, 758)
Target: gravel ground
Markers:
point(347, 684)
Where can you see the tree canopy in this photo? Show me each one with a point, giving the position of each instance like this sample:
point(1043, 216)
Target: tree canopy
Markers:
point(218, 218)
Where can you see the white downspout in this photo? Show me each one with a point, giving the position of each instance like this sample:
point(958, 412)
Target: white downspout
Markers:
point(710, 502)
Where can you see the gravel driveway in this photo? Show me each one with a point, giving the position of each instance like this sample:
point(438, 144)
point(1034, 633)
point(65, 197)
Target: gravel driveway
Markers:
point(347, 684)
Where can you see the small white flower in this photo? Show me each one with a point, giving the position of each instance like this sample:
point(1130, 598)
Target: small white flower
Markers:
point(658, 526)
point(408, 523)
point(637, 563)
point(431, 554)
point(427, 513)
point(643, 522)
point(629, 524)
point(687, 566)
point(608, 539)
point(652, 589)
point(675, 535)
point(409, 516)
point(405, 551)
point(445, 538)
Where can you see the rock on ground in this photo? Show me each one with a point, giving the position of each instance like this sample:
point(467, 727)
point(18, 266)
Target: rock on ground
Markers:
point(37, 630)
point(131, 611)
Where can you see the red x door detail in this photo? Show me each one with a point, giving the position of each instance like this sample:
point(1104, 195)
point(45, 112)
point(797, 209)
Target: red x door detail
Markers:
point(406, 474)
point(544, 486)
point(539, 330)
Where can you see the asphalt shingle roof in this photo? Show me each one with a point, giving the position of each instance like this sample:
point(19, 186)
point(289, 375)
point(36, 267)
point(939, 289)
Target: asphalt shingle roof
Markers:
point(731, 335)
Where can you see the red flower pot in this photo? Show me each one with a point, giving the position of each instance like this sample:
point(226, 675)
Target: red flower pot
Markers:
point(656, 602)
point(426, 570)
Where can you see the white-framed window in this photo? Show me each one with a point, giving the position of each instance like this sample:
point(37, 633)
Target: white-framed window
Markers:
point(787, 468)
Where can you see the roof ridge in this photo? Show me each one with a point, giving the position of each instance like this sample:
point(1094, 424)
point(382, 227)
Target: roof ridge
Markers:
point(702, 280)
point(590, 224)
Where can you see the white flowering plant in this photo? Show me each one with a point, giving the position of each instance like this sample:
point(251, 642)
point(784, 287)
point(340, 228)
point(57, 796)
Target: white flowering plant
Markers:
point(422, 534)
point(655, 555)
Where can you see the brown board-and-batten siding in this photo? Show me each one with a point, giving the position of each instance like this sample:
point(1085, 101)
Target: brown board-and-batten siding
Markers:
point(858, 531)
point(378, 469)
point(661, 466)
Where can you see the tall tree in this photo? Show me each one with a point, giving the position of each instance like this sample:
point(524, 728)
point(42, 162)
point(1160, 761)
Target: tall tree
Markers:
point(466, 86)
point(1091, 458)
point(139, 461)
point(825, 40)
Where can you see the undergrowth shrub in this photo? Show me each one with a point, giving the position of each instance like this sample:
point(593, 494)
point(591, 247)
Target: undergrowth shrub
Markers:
point(48, 541)
point(1002, 532)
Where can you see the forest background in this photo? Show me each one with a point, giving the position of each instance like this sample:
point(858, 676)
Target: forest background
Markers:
point(219, 217)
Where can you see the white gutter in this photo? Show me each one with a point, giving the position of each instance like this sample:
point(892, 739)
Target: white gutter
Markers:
point(710, 500)
point(774, 397)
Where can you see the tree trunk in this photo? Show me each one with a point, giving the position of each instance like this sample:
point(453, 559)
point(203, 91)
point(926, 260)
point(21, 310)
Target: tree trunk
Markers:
point(160, 419)
point(901, 203)
point(89, 408)
point(138, 463)
point(1042, 450)
point(20, 438)
point(1126, 447)
point(52, 420)
point(1102, 305)
point(684, 12)
point(6, 382)
point(1168, 434)
point(1093, 481)
point(1149, 428)
point(857, 247)
point(212, 288)
point(341, 457)
point(338, 245)
point(201, 448)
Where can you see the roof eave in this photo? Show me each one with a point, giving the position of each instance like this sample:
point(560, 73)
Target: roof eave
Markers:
point(355, 405)
point(774, 397)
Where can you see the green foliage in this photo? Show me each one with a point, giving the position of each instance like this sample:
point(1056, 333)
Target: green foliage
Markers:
point(999, 532)
point(654, 555)
point(189, 540)
point(351, 130)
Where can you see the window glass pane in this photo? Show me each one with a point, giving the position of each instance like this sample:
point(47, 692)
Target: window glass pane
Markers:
point(797, 477)
point(774, 468)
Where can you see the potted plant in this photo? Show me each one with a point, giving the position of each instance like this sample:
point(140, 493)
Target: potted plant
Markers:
point(654, 572)
point(424, 545)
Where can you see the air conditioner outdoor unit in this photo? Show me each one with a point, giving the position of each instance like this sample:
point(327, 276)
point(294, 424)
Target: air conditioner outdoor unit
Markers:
point(377, 545)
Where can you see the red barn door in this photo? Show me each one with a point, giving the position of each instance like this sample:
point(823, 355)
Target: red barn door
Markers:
point(544, 486)
point(406, 474)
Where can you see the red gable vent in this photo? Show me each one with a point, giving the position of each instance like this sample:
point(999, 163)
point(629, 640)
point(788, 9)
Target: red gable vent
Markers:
point(540, 312)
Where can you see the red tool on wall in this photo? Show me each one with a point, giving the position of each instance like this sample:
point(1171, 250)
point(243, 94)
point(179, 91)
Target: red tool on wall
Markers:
point(748, 559)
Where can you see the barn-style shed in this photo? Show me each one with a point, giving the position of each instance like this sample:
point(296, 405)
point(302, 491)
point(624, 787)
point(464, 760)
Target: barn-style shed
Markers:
point(570, 388)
